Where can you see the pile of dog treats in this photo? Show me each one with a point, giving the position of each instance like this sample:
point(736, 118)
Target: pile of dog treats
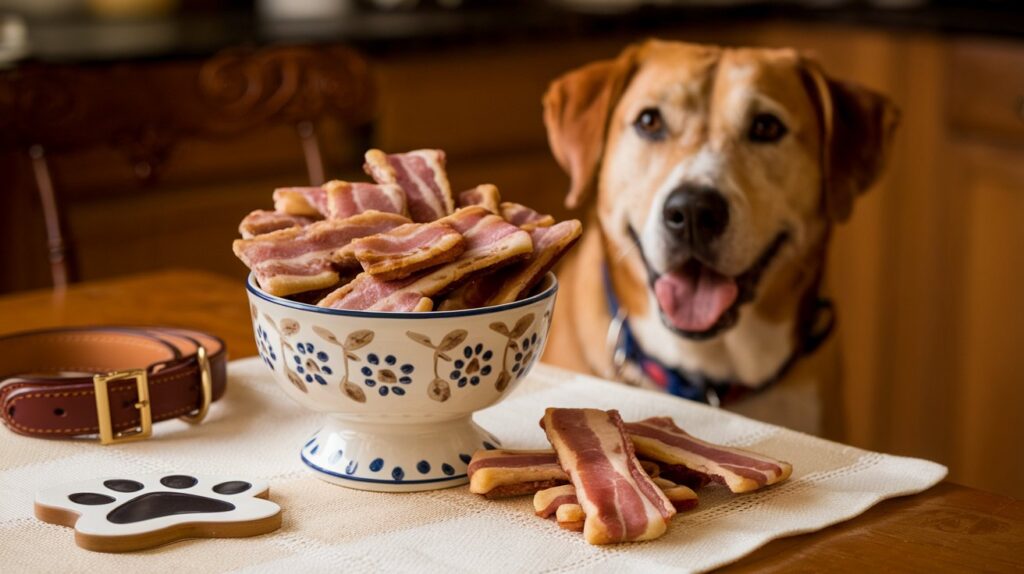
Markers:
point(402, 242)
point(595, 481)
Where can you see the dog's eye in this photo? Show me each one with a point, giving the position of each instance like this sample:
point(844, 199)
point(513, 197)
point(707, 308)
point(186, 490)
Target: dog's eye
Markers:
point(766, 128)
point(649, 124)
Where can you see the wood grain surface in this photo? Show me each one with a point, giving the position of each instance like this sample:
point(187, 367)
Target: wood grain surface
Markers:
point(949, 528)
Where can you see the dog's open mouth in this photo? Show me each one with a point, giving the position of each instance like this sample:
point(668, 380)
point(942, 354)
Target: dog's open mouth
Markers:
point(698, 302)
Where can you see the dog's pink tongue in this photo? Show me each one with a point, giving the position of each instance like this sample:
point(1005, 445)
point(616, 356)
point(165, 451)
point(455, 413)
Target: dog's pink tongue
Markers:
point(694, 301)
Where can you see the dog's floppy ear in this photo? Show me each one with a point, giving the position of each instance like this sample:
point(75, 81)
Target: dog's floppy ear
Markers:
point(577, 107)
point(857, 129)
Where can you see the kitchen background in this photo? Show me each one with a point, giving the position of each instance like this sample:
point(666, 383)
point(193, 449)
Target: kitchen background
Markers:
point(135, 134)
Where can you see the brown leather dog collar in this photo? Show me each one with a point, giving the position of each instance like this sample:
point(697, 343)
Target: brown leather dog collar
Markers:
point(110, 381)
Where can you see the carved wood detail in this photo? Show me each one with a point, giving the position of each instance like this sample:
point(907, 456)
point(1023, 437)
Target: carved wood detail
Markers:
point(144, 109)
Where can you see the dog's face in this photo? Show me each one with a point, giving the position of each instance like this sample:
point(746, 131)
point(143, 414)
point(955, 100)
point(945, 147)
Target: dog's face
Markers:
point(714, 169)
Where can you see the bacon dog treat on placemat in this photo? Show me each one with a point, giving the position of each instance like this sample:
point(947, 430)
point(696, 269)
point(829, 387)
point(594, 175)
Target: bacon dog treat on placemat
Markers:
point(422, 177)
point(262, 221)
point(621, 502)
point(485, 195)
point(611, 495)
point(499, 473)
point(345, 199)
point(406, 249)
point(300, 258)
point(547, 501)
point(659, 439)
point(490, 242)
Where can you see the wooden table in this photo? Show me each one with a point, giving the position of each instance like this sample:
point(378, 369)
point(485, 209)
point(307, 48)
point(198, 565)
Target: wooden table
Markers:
point(948, 528)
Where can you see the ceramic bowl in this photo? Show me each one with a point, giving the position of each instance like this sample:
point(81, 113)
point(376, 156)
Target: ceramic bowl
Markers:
point(400, 389)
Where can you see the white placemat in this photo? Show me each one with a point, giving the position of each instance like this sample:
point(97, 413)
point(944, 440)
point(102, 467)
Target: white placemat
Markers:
point(255, 432)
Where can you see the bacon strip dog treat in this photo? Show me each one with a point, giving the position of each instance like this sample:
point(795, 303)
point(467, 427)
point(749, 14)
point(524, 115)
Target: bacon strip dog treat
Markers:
point(485, 195)
point(507, 285)
point(404, 250)
point(422, 177)
point(490, 242)
point(262, 221)
point(307, 201)
point(344, 199)
point(619, 499)
point(501, 472)
point(659, 439)
point(524, 217)
point(300, 259)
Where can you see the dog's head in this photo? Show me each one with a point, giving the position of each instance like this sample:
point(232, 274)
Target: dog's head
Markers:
point(714, 165)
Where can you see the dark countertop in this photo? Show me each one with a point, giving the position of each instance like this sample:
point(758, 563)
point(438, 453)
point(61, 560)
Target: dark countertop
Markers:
point(197, 35)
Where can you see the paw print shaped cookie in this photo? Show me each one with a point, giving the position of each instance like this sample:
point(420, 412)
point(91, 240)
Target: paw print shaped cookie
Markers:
point(124, 514)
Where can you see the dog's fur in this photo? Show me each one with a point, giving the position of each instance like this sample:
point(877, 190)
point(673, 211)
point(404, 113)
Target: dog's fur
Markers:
point(792, 190)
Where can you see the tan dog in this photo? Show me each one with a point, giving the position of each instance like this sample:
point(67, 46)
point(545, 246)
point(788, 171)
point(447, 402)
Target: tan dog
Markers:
point(719, 174)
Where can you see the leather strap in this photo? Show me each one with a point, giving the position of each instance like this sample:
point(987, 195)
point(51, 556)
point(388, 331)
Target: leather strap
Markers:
point(46, 377)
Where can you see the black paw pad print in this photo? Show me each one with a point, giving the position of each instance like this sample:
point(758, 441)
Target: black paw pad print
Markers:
point(119, 514)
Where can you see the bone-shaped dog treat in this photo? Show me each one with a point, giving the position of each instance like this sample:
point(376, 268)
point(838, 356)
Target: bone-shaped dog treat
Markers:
point(490, 242)
point(406, 249)
point(505, 472)
point(679, 474)
point(619, 499)
point(659, 439)
point(516, 281)
point(422, 177)
point(571, 517)
point(262, 221)
point(300, 258)
point(485, 195)
point(345, 199)
point(651, 468)
point(307, 201)
point(682, 497)
point(524, 217)
point(501, 472)
point(548, 501)
point(560, 502)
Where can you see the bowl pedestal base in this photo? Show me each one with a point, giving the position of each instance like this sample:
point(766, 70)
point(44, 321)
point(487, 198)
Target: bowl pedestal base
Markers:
point(393, 455)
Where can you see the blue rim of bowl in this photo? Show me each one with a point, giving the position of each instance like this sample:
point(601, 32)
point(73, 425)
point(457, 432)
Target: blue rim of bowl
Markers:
point(250, 285)
point(314, 466)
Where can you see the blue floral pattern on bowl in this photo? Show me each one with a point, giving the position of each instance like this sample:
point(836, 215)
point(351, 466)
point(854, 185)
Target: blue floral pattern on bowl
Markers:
point(312, 363)
point(386, 374)
point(456, 362)
point(264, 347)
point(474, 364)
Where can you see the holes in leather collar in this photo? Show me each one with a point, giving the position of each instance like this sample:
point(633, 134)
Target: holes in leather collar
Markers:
point(60, 412)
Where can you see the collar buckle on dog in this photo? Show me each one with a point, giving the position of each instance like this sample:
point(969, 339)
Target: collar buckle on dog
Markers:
point(626, 353)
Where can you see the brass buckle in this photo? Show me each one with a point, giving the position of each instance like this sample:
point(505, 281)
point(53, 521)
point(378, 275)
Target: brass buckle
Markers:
point(206, 380)
point(145, 428)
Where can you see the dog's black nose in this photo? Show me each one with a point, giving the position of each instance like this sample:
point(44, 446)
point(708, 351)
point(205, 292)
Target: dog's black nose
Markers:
point(696, 214)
